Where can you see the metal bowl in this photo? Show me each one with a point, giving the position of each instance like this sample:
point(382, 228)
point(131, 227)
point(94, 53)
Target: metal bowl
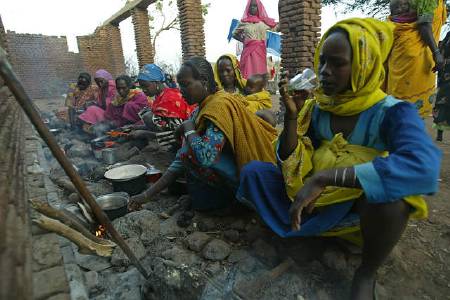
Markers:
point(128, 178)
point(114, 205)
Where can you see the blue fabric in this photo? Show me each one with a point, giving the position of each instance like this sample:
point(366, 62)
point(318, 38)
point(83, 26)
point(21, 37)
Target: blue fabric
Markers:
point(206, 197)
point(262, 188)
point(273, 39)
point(412, 168)
point(151, 72)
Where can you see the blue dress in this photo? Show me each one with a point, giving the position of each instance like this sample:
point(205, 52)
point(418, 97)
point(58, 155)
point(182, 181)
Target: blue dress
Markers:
point(412, 168)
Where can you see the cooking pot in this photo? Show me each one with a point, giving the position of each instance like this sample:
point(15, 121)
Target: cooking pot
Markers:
point(153, 174)
point(109, 156)
point(114, 205)
point(128, 178)
point(179, 187)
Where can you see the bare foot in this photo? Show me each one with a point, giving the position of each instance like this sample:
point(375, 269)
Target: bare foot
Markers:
point(363, 286)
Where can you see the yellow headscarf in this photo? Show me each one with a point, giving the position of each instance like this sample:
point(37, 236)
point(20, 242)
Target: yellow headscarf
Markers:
point(119, 100)
point(241, 82)
point(371, 42)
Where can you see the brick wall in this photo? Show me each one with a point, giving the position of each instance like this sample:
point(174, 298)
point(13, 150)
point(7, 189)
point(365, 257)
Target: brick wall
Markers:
point(43, 63)
point(102, 50)
point(15, 233)
point(300, 25)
point(142, 36)
point(191, 23)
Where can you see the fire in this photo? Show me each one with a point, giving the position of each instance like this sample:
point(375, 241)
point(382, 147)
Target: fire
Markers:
point(100, 231)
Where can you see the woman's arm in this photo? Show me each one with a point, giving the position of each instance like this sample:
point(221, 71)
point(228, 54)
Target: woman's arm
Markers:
point(206, 148)
point(426, 33)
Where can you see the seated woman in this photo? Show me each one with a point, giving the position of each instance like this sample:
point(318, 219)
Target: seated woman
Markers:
point(169, 109)
point(127, 104)
point(220, 137)
point(351, 159)
point(107, 91)
point(78, 95)
point(228, 77)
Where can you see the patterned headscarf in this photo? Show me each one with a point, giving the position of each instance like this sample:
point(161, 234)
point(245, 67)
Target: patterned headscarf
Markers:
point(151, 72)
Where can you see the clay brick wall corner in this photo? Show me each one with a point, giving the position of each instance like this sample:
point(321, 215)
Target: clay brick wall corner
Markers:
point(43, 63)
point(191, 23)
point(15, 233)
point(142, 36)
point(300, 25)
point(102, 50)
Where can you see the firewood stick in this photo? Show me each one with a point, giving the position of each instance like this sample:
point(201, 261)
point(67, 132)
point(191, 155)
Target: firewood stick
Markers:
point(61, 216)
point(85, 244)
point(16, 87)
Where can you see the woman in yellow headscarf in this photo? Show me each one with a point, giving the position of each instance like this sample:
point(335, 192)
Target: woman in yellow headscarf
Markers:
point(333, 154)
point(415, 55)
point(228, 77)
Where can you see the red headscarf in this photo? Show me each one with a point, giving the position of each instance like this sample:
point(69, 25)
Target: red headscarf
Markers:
point(171, 104)
point(261, 17)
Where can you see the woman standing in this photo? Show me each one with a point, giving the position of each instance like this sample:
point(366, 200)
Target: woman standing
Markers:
point(252, 32)
point(351, 160)
point(441, 111)
point(415, 55)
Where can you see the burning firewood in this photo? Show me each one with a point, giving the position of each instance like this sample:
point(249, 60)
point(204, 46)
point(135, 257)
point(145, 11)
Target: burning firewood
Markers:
point(85, 244)
point(66, 219)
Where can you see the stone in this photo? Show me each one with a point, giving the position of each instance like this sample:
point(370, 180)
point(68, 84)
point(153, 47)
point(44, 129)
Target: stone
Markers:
point(120, 259)
point(142, 224)
point(92, 281)
point(35, 169)
point(238, 255)
point(92, 262)
point(265, 252)
point(62, 296)
point(79, 149)
point(197, 240)
point(49, 282)
point(214, 268)
point(180, 256)
point(207, 224)
point(248, 264)
point(216, 250)
point(238, 225)
point(334, 260)
point(232, 235)
point(170, 226)
point(46, 252)
point(76, 282)
point(74, 198)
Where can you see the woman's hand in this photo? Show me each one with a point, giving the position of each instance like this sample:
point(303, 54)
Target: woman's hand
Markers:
point(137, 201)
point(306, 198)
point(439, 61)
point(294, 102)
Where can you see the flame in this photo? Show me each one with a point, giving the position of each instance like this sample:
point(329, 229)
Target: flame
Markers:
point(100, 232)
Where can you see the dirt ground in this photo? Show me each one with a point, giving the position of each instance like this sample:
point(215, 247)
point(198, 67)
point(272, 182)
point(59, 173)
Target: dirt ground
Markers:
point(419, 267)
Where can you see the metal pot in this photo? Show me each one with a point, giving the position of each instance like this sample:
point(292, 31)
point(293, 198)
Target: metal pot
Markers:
point(128, 178)
point(114, 205)
point(153, 174)
point(179, 187)
point(109, 156)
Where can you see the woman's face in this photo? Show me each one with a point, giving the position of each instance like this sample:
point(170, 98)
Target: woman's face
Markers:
point(83, 83)
point(226, 72)
point(335, 66)
point(193, 90)
point(150, 88)
point(101, 82)
point(253, 9)
point(122, 88)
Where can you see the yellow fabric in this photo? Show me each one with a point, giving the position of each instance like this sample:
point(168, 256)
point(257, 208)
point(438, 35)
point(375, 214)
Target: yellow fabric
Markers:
point(250, 137)
point(240, 81)
point(304, 161)
point(258, 101)
point(371, 42)
point(410, 64)
point(119, 100)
